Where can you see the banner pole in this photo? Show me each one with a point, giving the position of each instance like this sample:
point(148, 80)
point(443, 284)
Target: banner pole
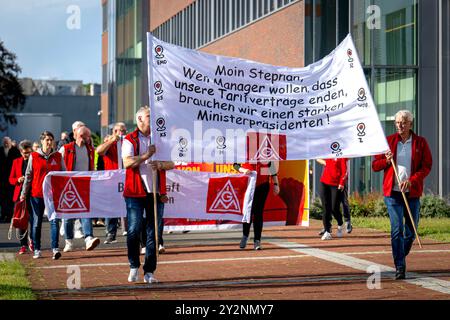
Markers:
point(406, 203)
point(155, 209)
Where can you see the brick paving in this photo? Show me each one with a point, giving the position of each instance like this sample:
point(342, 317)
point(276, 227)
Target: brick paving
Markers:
point(210, 266)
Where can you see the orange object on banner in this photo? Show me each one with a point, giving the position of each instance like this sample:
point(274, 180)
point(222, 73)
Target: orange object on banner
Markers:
point(289, 207)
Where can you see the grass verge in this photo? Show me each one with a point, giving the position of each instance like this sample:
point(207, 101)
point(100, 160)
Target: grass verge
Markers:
point(14, 284)
point(431, 228)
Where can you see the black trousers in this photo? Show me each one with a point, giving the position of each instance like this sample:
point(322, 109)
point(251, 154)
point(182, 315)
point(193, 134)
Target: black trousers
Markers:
point(345, 205)
point(259, 200)
point(331, 203)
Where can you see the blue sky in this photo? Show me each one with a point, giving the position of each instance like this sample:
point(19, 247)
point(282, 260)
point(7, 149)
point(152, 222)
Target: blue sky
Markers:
point(46, 48)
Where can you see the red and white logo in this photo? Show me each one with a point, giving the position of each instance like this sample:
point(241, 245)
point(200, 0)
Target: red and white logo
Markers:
point(226, 195)
point(266, 147)
point(71, 194)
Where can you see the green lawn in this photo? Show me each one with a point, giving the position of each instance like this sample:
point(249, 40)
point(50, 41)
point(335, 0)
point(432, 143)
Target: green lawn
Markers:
point(432, 228)
point(14, 284)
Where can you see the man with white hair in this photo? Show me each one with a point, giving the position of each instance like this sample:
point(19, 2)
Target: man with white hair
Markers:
point(413, 160)
point(79, 156)
point(111, 151)
point(138, 193)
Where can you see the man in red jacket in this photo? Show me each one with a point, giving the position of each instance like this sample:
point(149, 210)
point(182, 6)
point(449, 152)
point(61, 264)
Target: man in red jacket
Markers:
point(79, 156)
point(112, 157)
point(413, 159)
point(138, 193)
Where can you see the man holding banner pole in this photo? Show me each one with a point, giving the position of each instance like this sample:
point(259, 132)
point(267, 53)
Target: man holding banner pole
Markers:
point(410, 160)
point(138, 193)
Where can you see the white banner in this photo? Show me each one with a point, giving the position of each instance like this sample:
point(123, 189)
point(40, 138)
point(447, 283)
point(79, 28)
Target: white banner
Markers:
point(195, 195)
point(208, 108)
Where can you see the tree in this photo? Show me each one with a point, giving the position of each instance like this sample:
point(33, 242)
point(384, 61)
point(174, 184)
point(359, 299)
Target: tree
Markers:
point(11, 91)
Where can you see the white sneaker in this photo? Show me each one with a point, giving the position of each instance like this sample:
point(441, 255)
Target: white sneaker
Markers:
point(143, 250)
point(124, 233)
point(91, 243)
point(161, 249)
point(149, 278)
point(78, 234)
point(37, 254)
point(326, 236)
point(339, 232)
point(69, 246)
point(134, 274)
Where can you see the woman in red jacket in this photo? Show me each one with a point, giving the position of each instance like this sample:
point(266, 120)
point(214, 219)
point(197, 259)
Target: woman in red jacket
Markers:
point(40, 163)
point(412, 157)
point(16, 178)
point(333, 180)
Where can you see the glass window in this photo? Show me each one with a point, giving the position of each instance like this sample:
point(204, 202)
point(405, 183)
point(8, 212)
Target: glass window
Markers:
point(325, 26)
point(360, 32)
point(309, 36)
point(395, 41)
point(394, 90)
point(248, 10)
point(105, 17)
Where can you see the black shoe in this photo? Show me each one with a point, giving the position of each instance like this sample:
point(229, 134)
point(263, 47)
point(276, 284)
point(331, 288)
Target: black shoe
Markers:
point(400, 274)
point(110, 239)
point(56, 255)
point(348, 227)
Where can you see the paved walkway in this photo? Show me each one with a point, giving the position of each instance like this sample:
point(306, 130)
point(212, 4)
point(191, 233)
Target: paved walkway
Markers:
point(294, 264)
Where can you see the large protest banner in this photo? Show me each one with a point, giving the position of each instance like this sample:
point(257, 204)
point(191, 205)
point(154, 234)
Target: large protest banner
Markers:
point(210, 108)
point(290, 207)
point(194, 195)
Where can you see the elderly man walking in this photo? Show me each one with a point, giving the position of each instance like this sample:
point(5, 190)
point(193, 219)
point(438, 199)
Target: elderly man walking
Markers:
point(138, 193)
point(411, 155)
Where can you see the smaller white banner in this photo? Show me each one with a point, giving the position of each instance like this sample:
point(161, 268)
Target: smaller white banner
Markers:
point(194, 195)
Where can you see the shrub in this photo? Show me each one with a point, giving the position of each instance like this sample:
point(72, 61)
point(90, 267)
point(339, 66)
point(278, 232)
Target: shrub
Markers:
point(433, 206)
point(315, 211)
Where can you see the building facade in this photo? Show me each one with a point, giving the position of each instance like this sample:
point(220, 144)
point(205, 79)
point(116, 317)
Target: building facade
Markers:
point(406, 61)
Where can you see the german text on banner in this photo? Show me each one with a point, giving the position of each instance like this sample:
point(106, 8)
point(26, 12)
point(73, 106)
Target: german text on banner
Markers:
point(194, 195)
point(210, 108)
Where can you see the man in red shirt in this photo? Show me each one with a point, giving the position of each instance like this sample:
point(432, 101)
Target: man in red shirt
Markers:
point(413, 159)
point(79, 156)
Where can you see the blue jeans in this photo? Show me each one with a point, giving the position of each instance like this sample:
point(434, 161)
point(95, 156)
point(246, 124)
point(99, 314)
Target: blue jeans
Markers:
point(38, 207)
point(160, 212)
point(86, 224)
point(137, 223)
point(402, 234)
point(111, 226)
